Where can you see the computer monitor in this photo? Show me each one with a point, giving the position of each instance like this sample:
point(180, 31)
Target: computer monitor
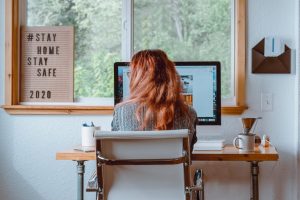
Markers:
point(201, 87)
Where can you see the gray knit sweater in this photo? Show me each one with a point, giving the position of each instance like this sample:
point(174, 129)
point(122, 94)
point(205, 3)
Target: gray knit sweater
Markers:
point(124, 119)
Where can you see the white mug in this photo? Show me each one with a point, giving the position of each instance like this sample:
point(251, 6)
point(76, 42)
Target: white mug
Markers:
point(246, 142)
point(87, 136)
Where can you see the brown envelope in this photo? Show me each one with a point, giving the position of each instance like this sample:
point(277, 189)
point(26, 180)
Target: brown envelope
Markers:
point(271, 65)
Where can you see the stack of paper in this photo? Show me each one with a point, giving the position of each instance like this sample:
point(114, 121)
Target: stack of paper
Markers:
point(85, 149)
point(209, 144)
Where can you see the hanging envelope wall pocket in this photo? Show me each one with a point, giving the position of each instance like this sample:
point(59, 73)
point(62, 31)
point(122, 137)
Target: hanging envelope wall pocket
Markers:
point(270, 65)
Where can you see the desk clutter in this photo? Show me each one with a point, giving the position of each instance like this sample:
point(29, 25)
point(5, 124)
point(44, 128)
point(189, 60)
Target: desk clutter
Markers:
point(213, 144)
point(88, 142)
point(245, 141)
point(87, 134)
point(209, 143)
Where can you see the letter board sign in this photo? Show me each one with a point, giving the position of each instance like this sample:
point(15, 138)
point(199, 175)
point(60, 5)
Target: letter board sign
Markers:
point(47, 64)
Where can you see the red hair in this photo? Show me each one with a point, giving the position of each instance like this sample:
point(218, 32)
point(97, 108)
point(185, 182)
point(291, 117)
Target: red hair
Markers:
point(156, 87)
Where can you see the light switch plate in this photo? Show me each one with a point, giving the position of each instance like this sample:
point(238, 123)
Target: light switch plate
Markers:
point(266, 102)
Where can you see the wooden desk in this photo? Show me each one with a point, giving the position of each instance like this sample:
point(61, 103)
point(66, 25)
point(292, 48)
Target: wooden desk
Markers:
point(229, 153)
point(75, 155)
point(80, 157)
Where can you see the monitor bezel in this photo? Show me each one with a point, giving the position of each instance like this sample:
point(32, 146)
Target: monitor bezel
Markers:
point(183, 63)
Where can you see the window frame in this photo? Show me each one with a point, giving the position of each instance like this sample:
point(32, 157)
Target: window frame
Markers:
point(13, 11)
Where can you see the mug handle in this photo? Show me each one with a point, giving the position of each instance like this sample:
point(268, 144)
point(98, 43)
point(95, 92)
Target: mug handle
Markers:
point(234, 142)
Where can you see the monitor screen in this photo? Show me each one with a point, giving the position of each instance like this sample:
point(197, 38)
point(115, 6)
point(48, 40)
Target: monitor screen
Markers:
point(201, 88)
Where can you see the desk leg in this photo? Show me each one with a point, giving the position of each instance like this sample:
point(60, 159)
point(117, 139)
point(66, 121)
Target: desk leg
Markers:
point(80, 178)
point(254, 180)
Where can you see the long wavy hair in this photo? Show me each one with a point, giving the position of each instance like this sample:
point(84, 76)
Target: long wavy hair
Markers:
point(156, 88)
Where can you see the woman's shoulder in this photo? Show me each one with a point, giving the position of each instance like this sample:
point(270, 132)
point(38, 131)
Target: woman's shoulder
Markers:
point(124, 106)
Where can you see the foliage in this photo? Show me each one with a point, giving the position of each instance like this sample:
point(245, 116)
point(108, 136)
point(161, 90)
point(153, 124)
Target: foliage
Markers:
point(97, 38)
point(185, 29)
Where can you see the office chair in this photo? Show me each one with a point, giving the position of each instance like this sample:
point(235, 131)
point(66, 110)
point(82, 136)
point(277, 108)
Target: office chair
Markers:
point(144, 165)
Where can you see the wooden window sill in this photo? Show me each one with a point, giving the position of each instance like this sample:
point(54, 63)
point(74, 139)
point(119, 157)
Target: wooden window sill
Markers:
point(57, 110)
point(233, 110)
point(86, 110)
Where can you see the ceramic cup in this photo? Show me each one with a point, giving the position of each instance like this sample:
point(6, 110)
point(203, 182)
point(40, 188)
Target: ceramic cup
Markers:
point(244, 143)
point(87, 136)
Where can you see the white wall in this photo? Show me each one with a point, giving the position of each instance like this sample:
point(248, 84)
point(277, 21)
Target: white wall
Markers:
point(297, 103)
point(28, 169)
point(277, 179)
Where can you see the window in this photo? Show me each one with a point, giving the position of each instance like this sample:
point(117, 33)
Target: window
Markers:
point(188, 31)
point(98, 32)
point(185, 29)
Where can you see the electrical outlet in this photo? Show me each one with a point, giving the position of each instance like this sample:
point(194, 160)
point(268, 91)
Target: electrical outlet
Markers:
point(266, 102)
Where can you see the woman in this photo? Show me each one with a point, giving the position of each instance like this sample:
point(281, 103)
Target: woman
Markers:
point(155, 101)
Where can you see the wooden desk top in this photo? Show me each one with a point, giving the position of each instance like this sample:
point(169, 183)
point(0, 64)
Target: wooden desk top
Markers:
point(229, 153)
point(75, 155)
